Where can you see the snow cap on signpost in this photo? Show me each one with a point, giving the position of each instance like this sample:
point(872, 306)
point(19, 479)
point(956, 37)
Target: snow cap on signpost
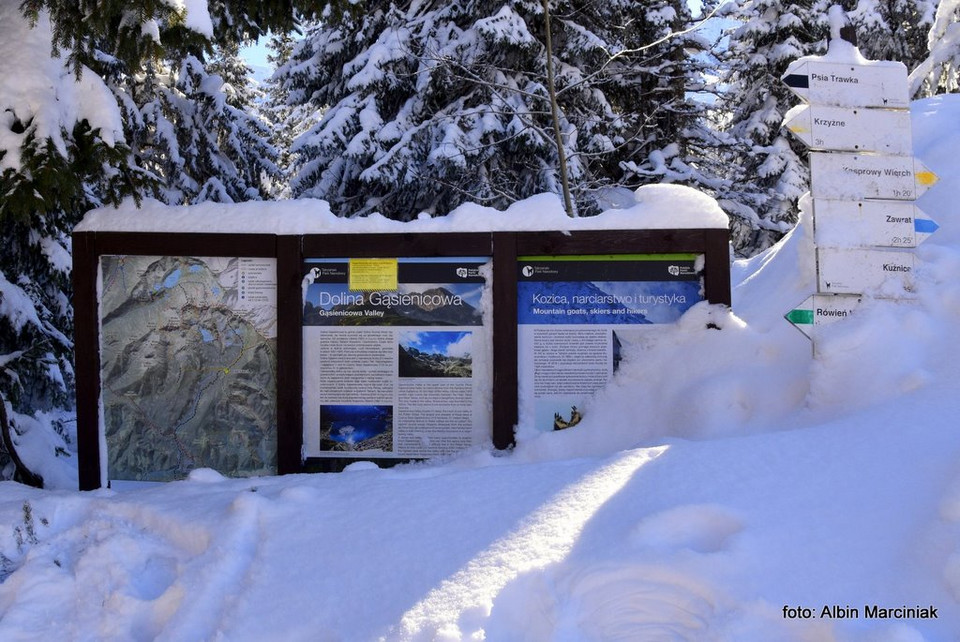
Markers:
point(844, 78)
point(840, 26)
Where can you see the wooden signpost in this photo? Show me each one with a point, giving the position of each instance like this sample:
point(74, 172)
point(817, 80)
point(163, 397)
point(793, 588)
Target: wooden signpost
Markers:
point(857, 176)
point(847, 84)
point(853, 129)
point(863, 182)
point(887, 273)
point(822, 309)
point(871, 223)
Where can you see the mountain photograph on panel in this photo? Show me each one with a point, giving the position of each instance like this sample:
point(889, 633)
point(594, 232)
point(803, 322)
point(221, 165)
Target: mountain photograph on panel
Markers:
point(435, 354)
point(351, 428)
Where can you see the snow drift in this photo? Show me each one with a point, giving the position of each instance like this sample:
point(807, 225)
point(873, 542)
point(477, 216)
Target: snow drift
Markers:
point(723, 481)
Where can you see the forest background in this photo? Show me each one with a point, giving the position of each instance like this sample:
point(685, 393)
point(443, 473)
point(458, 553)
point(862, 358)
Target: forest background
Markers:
point(399, 108)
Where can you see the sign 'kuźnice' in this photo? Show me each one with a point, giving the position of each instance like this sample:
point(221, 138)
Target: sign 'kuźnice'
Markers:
point(863, 180)
point(887, 273)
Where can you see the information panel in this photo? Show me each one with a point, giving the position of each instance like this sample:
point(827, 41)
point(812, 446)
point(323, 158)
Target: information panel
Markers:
point(188, 365)
point(578, 316)
point(395, 373)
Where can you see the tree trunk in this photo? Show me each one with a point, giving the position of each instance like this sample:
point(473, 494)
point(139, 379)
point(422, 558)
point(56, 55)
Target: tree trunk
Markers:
point(555, 113)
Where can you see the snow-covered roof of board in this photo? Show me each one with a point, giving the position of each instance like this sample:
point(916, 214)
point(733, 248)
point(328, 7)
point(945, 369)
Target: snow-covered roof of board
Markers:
point(649, 207)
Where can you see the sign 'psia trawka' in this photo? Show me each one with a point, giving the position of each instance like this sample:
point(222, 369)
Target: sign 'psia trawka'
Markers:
point(844, 84)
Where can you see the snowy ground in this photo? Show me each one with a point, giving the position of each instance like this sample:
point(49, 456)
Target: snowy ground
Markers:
point(721, 478)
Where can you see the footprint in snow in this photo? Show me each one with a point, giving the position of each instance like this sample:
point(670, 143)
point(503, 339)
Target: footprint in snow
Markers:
point(702, 528)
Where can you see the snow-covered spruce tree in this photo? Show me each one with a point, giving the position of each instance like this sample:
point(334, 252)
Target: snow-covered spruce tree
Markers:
point(175, 71)
point(429, 104)
point(61, 153)
point(190, 129)
point(243, 136)
point(690, 143)
point(939, 72)
point(288, 119)
point(768, 167)
point(132, 31)
point(893, 29)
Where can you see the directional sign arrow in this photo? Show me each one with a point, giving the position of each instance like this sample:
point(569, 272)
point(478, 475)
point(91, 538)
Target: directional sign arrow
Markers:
point(845, 176)
point(924, 227)
point(870, 223)
point(854, 129)
point(886, 274)
point(822, 309)
point(877, 84)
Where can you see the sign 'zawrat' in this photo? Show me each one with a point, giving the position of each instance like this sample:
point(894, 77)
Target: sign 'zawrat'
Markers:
point(847, 84)
point(886, 274)
point(853, 129)
point(857, 176)
point(870, 223)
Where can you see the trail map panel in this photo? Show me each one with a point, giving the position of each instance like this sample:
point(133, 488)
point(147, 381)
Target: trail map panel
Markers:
point(188, 365)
